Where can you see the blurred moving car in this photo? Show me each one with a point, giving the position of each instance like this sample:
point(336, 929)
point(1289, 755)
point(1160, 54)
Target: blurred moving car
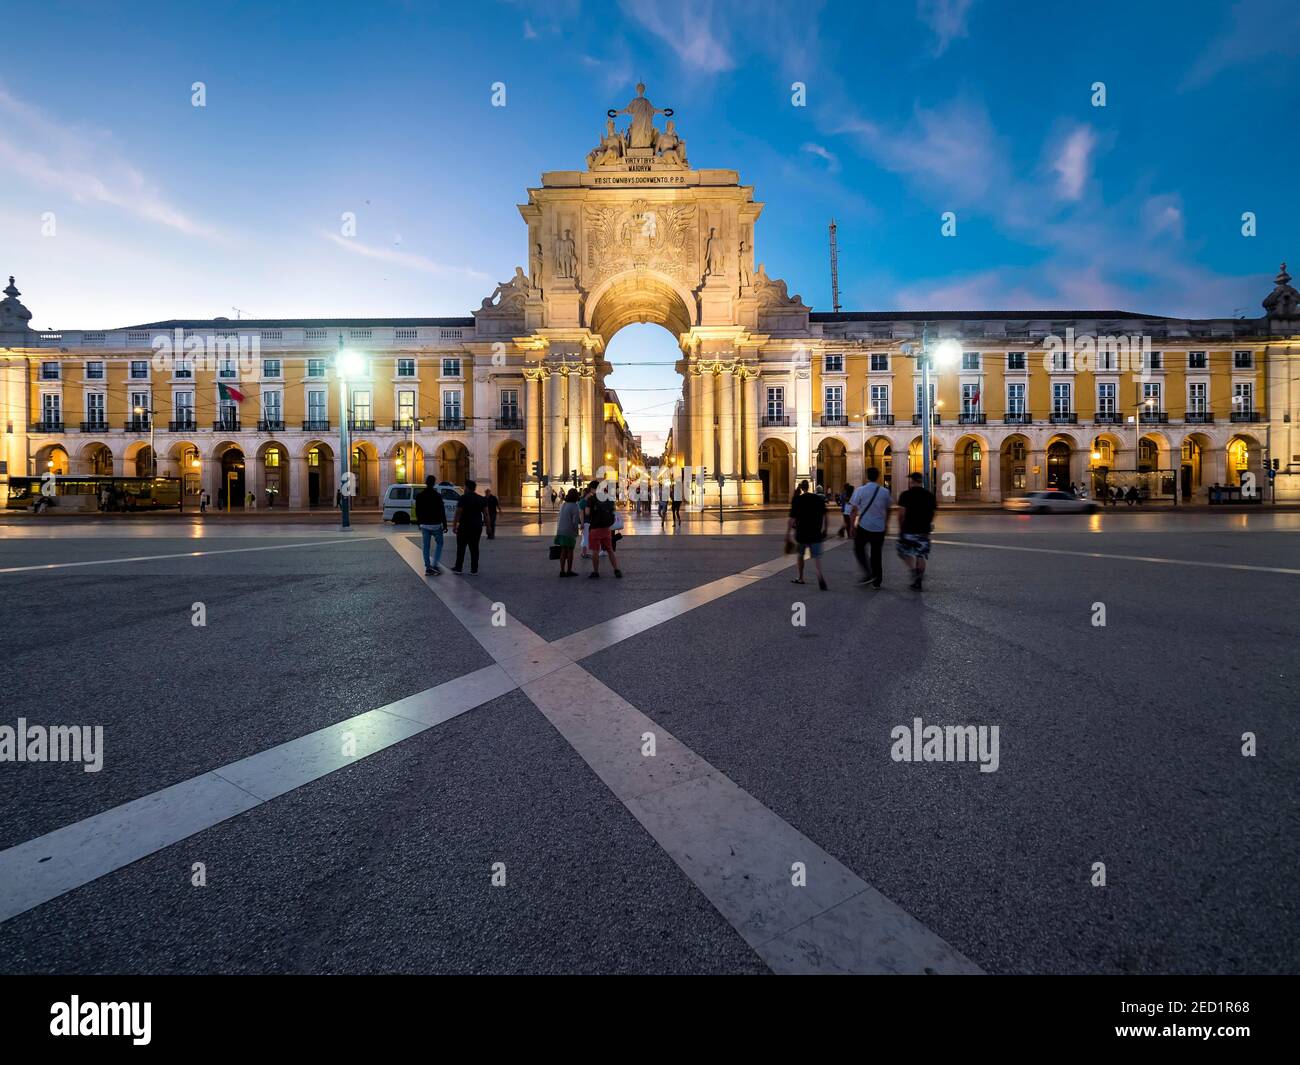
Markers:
point(1050, 502)
point(399, 499)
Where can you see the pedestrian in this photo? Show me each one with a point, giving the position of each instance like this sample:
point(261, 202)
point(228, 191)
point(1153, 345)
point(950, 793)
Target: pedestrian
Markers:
point(846, 509)
point(869, 508)
point(1131, 496)
point(807, 530)
point(204, 499)
point(491, 505)
point(566, 531)
point(431, 516)
point(468, 528)
point(584, 502)
point(914, 524)
point(599, 515)
point(663, 504)
point(674, 492)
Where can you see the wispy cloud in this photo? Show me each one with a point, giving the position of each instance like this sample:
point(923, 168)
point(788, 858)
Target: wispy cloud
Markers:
point(1073, 163)
point(832, 160)
point(689, 28)
point(83, 165)
point(1258, 30)
point(946, 19)
point(409, 260)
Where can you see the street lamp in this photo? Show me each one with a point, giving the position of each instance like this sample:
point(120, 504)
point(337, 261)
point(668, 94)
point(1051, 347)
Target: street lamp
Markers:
point(944, 354)
point(348, 364)
point(153, 454)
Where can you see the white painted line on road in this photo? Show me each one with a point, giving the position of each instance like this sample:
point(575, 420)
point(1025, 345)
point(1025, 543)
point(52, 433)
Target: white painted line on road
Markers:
point(183, 554)
point(1122, 558)
point(739, 853)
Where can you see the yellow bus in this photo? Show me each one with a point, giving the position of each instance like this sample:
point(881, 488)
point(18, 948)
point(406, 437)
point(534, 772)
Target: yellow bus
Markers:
point(89, 493)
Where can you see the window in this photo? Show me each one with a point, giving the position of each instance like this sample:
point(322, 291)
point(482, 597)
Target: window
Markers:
point(183, 369)
point(405, 367)
point(1196, 397)
point(1243, 396)
point(970, 399)
point(226, 368)
point(1151, 397)
point(139, 370)
point(270, 367)
point(509, 404)
point(51, 408)
point(49, 371)
point(1061, 398)
point(227, 413)
point(1018, 451)
point(1105, 354)
point(94, 371)
point(776, 403)
point(879, 400)
point(1243, 360)
point(406, 407)
point(1016, 399)
point(970, 360)
point(1106, 398)
point(183, 407)
point(272, 411)
point(95, 408)
point(1155, 360)
point(919, 404)
point(451, 404)
point(272, 457)
point(834, 404)
point(140, 406)
point(451, 367)
point(316, 407)
point(834, 364)
point(1015, 360)
point(361, 406)
point(1196, 360)
point(313, 457)
point(315, 367)
point(880, 363)
point(1060, 360)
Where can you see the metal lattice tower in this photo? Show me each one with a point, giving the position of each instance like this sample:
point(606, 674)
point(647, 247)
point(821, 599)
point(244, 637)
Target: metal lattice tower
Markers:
point(835, 270)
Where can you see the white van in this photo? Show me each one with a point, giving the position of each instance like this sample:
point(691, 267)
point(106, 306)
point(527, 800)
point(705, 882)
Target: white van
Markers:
point(399, 499)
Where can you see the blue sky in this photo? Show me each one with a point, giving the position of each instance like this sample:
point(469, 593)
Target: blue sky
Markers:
point(162, 209)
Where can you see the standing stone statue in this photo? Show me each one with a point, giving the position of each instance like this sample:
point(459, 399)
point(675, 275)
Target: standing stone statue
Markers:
point(745, 280)
point(566, 256)
point(714, 258)
point(643, 132)
point(536, 265)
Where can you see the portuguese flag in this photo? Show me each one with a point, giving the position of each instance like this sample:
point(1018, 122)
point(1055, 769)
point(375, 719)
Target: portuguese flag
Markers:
point(228, 393)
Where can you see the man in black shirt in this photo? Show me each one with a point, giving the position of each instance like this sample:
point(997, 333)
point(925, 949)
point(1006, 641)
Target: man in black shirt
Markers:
point(807, 529)
point(468, 527)
point(431, 516)
point(917, 518)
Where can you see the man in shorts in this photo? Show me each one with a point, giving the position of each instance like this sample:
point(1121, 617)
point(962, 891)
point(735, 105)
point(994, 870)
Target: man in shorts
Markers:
point(807, 530)
point(914, 524)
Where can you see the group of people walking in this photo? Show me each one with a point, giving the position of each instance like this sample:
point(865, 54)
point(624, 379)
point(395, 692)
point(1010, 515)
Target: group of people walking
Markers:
point(865, 512)
point(474, 513)
point(589, 519)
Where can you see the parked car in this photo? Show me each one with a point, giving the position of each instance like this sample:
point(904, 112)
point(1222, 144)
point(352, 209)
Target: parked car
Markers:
point(1050, 502)
point(399, 498)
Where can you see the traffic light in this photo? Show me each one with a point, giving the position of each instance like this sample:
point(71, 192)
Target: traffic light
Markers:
point(537, 469)
point(704, 473)
point(573, 474)
point(1277, 464)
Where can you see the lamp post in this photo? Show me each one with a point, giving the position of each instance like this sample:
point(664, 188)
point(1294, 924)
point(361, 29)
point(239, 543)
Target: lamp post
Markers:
point(153, 454)
point(942, 355)
point(410, 460)
point(347, 364)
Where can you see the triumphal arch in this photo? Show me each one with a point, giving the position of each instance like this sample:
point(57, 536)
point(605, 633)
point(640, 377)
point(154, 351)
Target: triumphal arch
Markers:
point(639, 235)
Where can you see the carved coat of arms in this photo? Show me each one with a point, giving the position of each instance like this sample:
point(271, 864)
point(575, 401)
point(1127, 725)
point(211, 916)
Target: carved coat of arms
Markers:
point(653, 236)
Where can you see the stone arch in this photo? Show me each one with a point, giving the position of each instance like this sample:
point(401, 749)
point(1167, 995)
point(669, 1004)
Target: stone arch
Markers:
point(138, 459)
point(775, 470)
point(878, 451)
point(404, 464)
point(831, 464)
point(317, 460)
point(52, 458)
point(1245, 455)
point(184, 459)
point(365, 467)
point(640, 296)
point(452, 462)
point(1154, 450)
point(1197, 465)
point(272, 475)
point(95, 458)
point(971, 461)
point(508, 470)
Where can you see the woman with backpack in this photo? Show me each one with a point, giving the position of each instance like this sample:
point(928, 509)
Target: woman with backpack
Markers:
point(600, 517)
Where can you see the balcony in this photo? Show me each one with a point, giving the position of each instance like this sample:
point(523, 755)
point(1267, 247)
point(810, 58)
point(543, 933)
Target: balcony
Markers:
point(363, 425)
point(100, 426)
point(1063, 418)
point(136, 425)
point(405, 425)
point(510, 421)
point(270, 425)
point(829, 421)
point(1159, 417)
point(228, 424)
point(1245, 416)
point(1107, 417)
point(182, 425)
point(1199, 417)
point(971, 418)
point(934, 419)
point(778, 421)
point(881, 419)
point(48, 425)
point(1017, 417)
point(316, 425)
point(451, 425)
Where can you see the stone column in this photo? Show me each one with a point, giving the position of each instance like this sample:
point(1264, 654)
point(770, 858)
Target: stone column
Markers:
point(991, 475)
point(575, 424)
point(708, 456)
point(803, 426)
point(727, 412)
point(1214, 468)
point(555, 427)
point(297, 496)
point(1037, 461)
point(695, 420)
point(532, 425)
point(750, 427)
point(593, 420)
point(947, 472)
